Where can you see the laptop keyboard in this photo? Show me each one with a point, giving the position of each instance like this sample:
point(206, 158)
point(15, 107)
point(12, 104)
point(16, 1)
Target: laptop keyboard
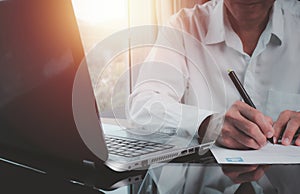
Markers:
point(132, 147)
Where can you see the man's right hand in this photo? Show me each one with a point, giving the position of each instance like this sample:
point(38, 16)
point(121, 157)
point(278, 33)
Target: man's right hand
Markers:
point(245, 128)
point(244, 173)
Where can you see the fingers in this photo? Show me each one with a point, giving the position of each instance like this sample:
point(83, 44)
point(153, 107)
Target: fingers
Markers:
point(231, 143)
point(297, 142)
point(240, 174)
point(280, 125)
point(287, 123)
point(234, 172)
point(247, 126)
point(233, 138)
point(263, 122)
point(252, 131)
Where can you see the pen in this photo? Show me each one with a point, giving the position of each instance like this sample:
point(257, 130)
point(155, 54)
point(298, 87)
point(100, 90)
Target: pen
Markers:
point(242, 92)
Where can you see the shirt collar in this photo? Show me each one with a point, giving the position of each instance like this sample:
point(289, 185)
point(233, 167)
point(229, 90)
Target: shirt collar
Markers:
point(216, 27)
point(215, 32)
point(277, 22)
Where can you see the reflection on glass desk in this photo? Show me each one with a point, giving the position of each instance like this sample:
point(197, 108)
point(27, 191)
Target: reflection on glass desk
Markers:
point(20, 172)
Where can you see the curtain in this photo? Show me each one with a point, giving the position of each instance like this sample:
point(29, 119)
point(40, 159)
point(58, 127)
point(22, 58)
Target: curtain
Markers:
point(151, 12)
point(157, 11)
point(166, 8)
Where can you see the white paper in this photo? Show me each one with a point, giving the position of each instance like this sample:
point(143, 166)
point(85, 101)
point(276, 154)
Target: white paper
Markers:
point(269, 154)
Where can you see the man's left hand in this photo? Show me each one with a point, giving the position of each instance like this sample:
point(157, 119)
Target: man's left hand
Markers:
point(289, 122)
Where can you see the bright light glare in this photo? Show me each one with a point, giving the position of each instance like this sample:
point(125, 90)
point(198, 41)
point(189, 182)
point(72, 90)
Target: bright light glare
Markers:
point(99, 11)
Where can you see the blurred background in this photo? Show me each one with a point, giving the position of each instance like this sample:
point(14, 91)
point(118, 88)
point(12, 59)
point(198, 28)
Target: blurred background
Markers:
point(97, 20)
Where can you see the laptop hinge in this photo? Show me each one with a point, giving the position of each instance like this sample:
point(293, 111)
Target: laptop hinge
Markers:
point(89, 164)
point(87, 179)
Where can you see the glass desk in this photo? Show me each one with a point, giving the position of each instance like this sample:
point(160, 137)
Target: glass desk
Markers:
point(193, 174)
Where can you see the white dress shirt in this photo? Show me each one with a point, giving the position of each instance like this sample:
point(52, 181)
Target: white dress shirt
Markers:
point(184, 78)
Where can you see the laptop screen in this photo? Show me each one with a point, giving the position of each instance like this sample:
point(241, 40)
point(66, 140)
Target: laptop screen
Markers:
point(40, 52)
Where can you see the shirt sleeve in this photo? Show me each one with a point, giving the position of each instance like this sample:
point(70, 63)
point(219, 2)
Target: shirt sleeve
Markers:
point(157, 101)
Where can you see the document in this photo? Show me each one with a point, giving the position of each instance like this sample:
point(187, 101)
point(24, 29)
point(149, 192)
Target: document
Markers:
point(269, 154)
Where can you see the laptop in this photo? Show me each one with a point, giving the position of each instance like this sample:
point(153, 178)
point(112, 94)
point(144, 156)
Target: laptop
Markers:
point(47, 104)
point(31, 169)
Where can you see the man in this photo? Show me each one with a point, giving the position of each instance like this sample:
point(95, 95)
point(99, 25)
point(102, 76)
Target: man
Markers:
point(187, 88)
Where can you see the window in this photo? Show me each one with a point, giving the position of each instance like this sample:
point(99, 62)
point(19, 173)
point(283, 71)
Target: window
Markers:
point(100, 20)
point(97, 20)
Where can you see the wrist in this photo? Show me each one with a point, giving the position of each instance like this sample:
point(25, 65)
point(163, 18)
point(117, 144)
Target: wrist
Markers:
point(203, 127)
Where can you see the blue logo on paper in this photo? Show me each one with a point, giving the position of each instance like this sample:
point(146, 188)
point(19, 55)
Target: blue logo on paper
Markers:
point(235, 159)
